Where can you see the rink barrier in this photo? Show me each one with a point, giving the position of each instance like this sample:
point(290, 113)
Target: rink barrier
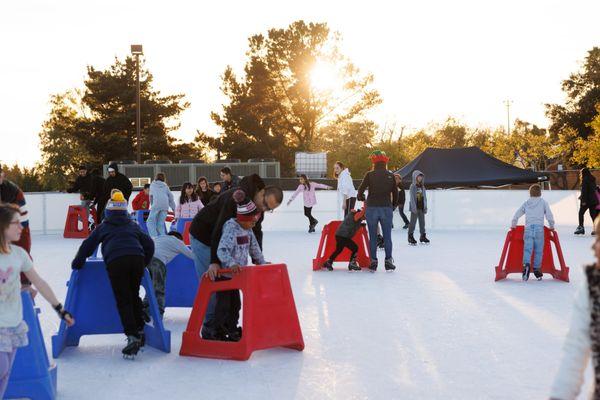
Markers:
point(327, 246)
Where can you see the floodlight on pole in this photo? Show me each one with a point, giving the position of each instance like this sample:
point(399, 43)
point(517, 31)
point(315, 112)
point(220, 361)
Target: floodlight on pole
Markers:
point(137, 50)
point(507, 103)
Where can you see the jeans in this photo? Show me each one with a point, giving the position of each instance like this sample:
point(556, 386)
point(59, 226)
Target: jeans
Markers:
point(156, 223)
point(383, 216)
point(201, 263)
point(420, 215)
point(533, 241)
point(158, 272)
point(125, 274)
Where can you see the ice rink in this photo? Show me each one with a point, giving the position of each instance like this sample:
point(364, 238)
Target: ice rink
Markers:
point(438, 327)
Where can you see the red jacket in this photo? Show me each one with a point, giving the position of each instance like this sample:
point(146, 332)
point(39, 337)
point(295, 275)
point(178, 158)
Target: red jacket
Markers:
point(141, 201)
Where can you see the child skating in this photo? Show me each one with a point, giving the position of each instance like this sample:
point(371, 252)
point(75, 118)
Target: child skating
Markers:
point(237, 243)
point(126, 250)
point(418, 207)
point(307, 188)
point(535, 210)
point(343, 239)
point(14, 261)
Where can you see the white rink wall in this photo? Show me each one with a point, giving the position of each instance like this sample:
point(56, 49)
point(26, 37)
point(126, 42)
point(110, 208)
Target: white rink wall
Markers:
point(448, 209)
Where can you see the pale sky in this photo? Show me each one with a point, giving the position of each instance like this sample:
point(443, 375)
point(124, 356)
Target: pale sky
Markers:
point(431, 59)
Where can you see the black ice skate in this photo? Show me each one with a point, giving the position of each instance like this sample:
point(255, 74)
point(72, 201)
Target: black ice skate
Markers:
point(234, 335)
point(526, 268)
point(311, 227)
point(411, 240)
point(389, 264)
point(405, 226)
point(538, 273)
point(373, 266)
point(134, 344)
point(423, 239)
point(353, 265)
point(580, 230)
point(328, 265)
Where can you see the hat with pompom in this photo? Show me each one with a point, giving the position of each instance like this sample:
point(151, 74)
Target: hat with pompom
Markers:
point(117, 201)
point(379, 156)
point(246, 209)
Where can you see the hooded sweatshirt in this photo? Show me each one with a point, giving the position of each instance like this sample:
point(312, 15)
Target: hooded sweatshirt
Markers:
point(535, 209)
point(351, 224)
point(381, 186)
point(120, 237)
point(416, 191)
point(161, 197)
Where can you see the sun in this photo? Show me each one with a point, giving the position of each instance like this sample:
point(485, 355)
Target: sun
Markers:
point(325, 77)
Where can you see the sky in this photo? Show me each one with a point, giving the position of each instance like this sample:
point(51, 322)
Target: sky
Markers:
point(431, 59)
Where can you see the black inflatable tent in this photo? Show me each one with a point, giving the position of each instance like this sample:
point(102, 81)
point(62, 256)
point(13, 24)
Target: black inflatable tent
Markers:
point(465, 167)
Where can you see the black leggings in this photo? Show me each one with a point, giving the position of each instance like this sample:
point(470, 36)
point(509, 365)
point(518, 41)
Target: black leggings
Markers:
point(308, 214)
point(350, 203)
point(402, 215)
point(125, 274)
point(582, 209)
point(340, 244)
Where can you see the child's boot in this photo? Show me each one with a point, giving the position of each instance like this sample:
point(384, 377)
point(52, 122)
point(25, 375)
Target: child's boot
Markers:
point(411, 239)
point(353, 265)
point(538, 273)
point(580, 230)
point(328, 265)
point(133, 346)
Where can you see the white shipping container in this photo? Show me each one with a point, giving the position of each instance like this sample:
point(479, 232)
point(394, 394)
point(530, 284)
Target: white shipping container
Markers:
point(313, 165)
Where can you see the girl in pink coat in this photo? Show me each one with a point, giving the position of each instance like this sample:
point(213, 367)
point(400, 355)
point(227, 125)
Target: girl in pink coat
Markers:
point(189, 202)
point(310, 198)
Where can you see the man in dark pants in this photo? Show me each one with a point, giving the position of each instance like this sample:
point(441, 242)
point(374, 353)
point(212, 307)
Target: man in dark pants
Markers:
point(115, 180)
point(401, 200)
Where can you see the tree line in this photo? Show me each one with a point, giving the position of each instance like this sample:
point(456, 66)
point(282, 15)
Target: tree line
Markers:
point(274, 109)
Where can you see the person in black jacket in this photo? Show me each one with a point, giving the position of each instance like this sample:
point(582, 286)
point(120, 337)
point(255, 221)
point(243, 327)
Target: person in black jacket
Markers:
point(383, 195)
point(343, 239)
point(115, 180)
point(204, 191)
point(207, 226)
point(83, 185)
point(229, 180)
point(401, 200)
point(126, 250)
point(588, 200)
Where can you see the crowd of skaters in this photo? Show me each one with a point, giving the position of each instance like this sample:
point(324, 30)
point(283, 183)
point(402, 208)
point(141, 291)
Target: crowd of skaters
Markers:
point(226, 230)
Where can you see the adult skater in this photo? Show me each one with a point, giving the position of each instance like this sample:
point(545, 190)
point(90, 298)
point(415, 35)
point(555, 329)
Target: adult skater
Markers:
point(401, 200)
point(308, 188)
point(345, 187)
point(229, 180)
point(206, 229)
point(115, 180)
point(587, 198)
point(583, 339)
point(84, 186)
point(383, 195)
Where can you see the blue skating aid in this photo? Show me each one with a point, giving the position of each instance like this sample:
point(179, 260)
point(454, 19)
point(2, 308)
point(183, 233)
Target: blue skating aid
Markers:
point(91, 301)
point(182, 282)
point(180, 226)
point(32, 375)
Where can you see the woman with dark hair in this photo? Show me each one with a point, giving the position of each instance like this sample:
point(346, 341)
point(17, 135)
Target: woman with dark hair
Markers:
point(383, 194)
point(345, 187)
point(204, 191)
point(189, 202)
point(310, 198)
point(588, 200)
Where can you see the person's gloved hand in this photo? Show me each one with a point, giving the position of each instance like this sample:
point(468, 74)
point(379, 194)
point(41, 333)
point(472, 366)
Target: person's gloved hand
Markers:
point(64, 314)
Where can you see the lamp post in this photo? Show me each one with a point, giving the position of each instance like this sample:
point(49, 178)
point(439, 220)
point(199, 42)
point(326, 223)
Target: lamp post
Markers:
point(507, 103)
point(136, 50)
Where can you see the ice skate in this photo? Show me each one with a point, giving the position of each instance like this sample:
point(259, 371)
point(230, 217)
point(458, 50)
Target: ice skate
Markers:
point(526, 268)
point(134, 344)
point(353, 265)
point(389, 264)
point(411, 240)
point(538, 273)
point(328, 265)
point(373, 266)
point(580, 230)
point(423, 239)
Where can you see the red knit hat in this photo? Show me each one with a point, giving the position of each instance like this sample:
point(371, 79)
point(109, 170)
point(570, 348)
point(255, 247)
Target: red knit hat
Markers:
point(246, 209)
point(379, 156)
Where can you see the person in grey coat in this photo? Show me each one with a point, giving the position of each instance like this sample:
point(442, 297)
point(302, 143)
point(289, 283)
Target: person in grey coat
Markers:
point(161, 199)
point(418, 207)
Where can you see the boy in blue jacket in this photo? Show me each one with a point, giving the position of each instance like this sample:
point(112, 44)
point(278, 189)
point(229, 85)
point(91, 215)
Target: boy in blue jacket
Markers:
point(126, 250)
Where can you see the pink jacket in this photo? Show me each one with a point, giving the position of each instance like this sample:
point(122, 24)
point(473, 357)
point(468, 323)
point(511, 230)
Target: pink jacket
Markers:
point(188, 209)
point(310, 198)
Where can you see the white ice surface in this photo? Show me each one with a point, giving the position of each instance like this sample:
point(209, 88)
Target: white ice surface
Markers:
point(439, 327)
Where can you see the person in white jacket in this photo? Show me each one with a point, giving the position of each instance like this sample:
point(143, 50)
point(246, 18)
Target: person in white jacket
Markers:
point(161, 199)
point(535, 210)
point(345, 187)
point(583, 339)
